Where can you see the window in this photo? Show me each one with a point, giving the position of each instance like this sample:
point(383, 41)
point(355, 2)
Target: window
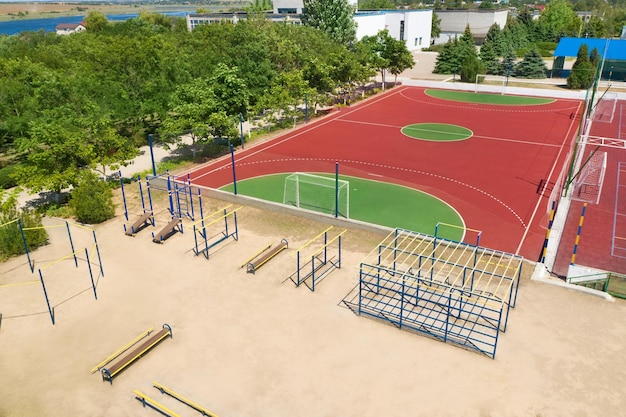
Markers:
point(401, 30)
point(286, 10)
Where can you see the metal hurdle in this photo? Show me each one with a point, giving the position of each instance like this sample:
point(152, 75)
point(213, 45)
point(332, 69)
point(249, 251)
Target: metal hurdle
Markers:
point(319, 262)
point(200, 229)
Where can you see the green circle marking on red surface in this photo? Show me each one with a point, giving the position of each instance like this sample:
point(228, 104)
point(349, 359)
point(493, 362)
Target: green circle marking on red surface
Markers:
point(437, 132)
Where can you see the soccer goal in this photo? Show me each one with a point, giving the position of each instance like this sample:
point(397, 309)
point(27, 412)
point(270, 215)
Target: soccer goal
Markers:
point(317, 193)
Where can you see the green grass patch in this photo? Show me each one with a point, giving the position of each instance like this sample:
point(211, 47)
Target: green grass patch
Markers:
point(485, 98)
point(373, 202)
point(440, 132)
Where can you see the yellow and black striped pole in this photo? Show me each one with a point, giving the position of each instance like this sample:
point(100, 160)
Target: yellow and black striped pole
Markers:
point(580, 228)
point(545, 242)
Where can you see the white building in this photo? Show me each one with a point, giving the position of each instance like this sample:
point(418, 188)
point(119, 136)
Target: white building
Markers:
point(453, 22)
point(411, 26)
point(295, 6)
point(69, 28)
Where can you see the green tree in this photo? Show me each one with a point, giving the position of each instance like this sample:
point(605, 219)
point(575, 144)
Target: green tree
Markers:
point(92, 199)
point(489, 59)
point(583, 72)
point(594, 57)
point(230, 93)
point(532, 66)
point(470, 68)
point(558, 19)
point(435, 27)
point(486, 4)
point(496, 39)
point(335, 17)
point(507, 66)
point(376, 5)
point(448, 60)
point(394, 55)
point(96, 21)
point(11, 242)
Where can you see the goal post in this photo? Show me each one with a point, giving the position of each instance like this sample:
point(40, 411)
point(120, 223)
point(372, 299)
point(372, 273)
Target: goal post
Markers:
point(318, 193)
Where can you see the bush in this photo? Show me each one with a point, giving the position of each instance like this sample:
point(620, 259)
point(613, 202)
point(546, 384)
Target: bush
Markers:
point(471, 67)
point(92, 200)
point(11, 242)
point(6, 177)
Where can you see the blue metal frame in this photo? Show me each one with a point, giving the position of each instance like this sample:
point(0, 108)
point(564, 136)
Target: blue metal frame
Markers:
point(319, 265)
point(459, 311)
point(225, 234)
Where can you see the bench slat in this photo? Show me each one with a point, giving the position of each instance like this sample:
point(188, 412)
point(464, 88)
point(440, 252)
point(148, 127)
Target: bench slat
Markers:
point(110, 372)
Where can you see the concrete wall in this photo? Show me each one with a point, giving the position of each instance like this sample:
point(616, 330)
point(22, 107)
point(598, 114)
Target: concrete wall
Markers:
point(416, 31)
point(298, 4)
point(455, 21)
point(368, 24)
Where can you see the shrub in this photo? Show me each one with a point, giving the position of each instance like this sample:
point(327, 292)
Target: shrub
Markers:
point(92, 200)
point(471, 67)
point(6, 177)
point(11, 242)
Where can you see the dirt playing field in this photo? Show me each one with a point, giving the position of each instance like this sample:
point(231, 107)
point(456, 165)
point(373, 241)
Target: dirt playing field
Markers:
point(255, 345)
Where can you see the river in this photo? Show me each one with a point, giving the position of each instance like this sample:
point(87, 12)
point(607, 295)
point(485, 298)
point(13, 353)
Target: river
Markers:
point(49, 24)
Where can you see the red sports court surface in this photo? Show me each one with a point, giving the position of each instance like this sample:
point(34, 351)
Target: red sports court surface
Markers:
point(496, 180)
point(602, 242)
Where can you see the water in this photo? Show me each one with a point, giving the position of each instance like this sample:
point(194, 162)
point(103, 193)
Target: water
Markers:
point(49, 24)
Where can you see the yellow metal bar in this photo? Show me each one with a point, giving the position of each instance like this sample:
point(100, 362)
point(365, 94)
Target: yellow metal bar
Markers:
point(122, 350)
point(139, 354)
point(312, 240)
point(211, 215)
point(221, 217)
point(255, 255)
point(63, 258)
point(8, 223)
point(81, 226)
point(44, 227)
point(18, 284)
point(183, 399)
point(160, 407)
point(329, 242)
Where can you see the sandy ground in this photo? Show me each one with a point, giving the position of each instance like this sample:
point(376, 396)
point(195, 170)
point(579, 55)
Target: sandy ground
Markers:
point(255, 345)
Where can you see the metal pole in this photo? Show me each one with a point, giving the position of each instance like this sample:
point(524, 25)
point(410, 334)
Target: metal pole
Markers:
point(336, 189)
point(30, 264)
point(71, 243)
point(241, 128)
point(45, 294)
point(98, 252)
point(232, 158)
point(93, 285)
point(154, 171)
point(123, 195)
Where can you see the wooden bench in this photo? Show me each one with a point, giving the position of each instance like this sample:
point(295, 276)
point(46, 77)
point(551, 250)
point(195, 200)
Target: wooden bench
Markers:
point(183, 400)
point(167, 231)
point(134, 353)
point(142, 222)
point(264, 256)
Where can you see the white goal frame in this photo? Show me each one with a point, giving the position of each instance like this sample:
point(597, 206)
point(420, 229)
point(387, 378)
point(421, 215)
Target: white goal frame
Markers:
point(320, 194)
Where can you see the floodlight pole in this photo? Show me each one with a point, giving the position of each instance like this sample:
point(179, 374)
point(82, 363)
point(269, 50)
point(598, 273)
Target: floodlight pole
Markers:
point(232, 158)
point(154, 171)
point(241, 128)
point(336, 189)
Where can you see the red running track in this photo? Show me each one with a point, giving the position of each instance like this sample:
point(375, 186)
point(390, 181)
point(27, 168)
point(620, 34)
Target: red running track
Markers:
point(491, 179)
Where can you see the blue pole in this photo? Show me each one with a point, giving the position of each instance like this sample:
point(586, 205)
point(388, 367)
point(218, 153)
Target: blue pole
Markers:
point(169, 193)
point(154, 171)
point(336, 189)
point(93, 285)
point(30, 264)
point(241, 128)
point(98, 252)
point(71, 243)
point(232, 158)
point(123, 195)
point(45, 294)
point(306, 108)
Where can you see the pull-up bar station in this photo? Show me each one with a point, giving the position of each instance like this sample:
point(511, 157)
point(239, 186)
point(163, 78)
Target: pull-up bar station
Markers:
point(203, 244)
point(317, 264)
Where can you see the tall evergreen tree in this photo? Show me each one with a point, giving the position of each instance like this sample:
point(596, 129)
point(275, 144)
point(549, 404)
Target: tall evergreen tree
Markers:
point(489, 59)
point(496, 38)
point(532, 66)
point(508, 63)
point(448, 61)
point(583, 71)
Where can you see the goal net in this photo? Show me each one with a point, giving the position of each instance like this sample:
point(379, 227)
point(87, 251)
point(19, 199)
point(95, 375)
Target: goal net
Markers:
point(317, 193)
point(588, 184)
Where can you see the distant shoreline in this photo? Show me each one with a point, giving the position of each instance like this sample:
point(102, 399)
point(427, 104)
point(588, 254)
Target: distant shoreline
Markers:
point(23, 11)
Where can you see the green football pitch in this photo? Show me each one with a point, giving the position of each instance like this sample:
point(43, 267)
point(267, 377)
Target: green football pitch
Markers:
point(488, 98)
point(374, 202)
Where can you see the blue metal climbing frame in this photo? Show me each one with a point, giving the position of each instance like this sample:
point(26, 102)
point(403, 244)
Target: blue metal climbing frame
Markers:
point(451, 291)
